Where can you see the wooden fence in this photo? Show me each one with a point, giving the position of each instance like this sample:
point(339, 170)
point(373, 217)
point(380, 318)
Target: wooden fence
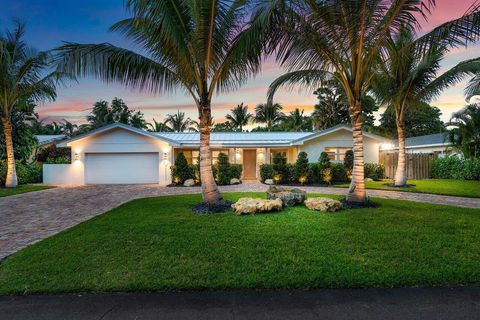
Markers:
point(419, 165)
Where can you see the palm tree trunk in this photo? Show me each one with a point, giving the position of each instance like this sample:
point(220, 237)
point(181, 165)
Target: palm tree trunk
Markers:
point(401, 172)
point(356, 192)
point(11, 180)
point(210, 191)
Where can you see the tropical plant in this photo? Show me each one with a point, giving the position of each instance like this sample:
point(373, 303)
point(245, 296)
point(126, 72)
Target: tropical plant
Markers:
point(420, 119)
point(344, 40)
point(178, 122)
point(26, 76)
point(332, 107)
point(302, 168)
point(23, 136)
point(181, 171)
point(407, 77)
point(269, 113)
point(103, 114)
point(68, 128)
point(157, 126)
point(239, 117)
point(222, 127)
point(465, 134)
point(202, 47)
point(296, 121)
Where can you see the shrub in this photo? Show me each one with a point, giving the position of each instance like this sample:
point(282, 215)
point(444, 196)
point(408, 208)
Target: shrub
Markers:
point(266, 172)
point(223, 174)
point(315, 173)
point(279, 168)
point(348, 161)
point(339, 172)
point(324, 161)
point(450, 167)
point(60, 160)
point(471, 169)
point(289, 174)
point(236, 170)
point(374, 171)
point(53, 153)
point(327, 175)
point(195, 169)
point(181, 170)
point(26, 173)
point(301, 168)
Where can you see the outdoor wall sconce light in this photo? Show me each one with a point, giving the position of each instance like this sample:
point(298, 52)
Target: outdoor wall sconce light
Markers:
point(76, 156)
point(165, 154)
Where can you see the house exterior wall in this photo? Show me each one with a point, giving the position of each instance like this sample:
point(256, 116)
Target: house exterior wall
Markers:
point(113, 141)
point(121, 140)
point(343, 139)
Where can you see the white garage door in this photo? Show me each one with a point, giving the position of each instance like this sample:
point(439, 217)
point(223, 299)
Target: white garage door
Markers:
point(117, 168)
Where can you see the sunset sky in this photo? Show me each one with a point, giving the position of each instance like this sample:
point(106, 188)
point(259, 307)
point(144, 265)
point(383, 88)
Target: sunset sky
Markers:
point(49, 22)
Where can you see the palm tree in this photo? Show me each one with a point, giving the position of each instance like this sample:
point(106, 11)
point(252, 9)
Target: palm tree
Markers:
point(68, 128)
point(269, 113)
point(408, 77)
point(25, 75)
point(157, 126)
point(343, 40)
point(201, 46)
point(178, 122)
point(296, 121)
point(239, 117)
point(466, 132)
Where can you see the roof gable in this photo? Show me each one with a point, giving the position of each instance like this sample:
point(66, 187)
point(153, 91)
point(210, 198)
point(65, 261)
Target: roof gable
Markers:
point(112, 127)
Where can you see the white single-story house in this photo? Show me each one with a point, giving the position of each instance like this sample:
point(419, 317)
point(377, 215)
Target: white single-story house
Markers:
point(121, 154)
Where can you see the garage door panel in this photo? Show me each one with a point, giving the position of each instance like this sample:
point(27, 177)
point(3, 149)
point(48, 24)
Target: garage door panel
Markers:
point(121, 168)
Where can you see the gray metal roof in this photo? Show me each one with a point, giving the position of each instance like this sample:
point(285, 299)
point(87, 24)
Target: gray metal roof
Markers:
point(45, 139)
point(236, 138)
point(421, 141)
point(225, 139)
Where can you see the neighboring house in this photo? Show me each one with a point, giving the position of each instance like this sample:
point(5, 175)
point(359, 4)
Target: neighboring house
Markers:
point(437, 143)
point(45, 141)
point(48, 140)
point(119, 153)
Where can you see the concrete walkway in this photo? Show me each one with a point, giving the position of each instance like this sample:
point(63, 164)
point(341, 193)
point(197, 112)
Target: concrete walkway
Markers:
point(371, 304)
point(30, 217)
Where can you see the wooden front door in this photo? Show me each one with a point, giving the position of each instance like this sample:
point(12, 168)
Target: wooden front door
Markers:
point(249, 164)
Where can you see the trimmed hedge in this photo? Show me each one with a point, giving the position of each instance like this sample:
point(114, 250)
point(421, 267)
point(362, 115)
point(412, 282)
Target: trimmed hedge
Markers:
point(452, 167)
point(26, 173)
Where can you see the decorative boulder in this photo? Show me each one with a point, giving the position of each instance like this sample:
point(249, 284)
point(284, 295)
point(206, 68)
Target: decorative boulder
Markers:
point(255, 205)
point(368, 179)
point(289, 196)
point(189, 183)
point(323, 204)
point(269, 181)
point(234, 181)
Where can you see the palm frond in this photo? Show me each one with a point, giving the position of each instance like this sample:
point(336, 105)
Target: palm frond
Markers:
point(308, 79)
point(113, 64)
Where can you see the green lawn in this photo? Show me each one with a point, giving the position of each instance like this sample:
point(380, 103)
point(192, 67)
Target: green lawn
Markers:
point(4, 192)
point(159, 244)
point(464, 188)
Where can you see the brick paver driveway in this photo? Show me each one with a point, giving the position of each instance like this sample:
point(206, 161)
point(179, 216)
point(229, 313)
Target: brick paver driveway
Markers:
point(30, 217)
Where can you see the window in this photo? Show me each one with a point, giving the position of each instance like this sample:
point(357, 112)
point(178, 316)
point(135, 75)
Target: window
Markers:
point(193, 156)
point(190, 155)
point(274, 152)
point(336, 153)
